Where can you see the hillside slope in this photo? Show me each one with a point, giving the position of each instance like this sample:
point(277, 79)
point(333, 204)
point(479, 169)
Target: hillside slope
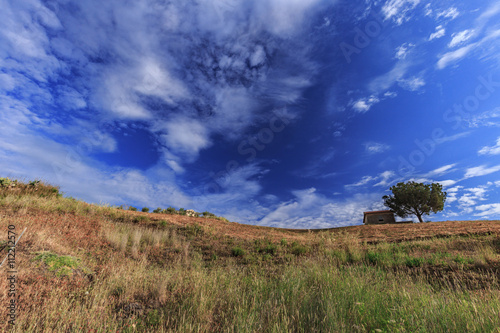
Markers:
point(82, 268)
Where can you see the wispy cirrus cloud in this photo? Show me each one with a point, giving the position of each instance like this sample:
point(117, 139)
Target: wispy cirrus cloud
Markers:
point(186, 72)
point(440, 32)
point(450, 13)
point(441, 170)
point(403, 50)
point(363, 181)
point(376, 147)
point(491, 150)
point(461, 37)
point(399, 10)
point(481, 170)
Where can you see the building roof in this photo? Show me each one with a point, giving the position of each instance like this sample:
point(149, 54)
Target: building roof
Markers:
point(378, 212)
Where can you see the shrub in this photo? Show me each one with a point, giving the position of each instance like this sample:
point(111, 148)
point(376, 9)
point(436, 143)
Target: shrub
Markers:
point(145, 209)
point(5, 182)
point(298, 249)
point(284, 242)
point(269, 249)
point(132, 209)
point(237, 251)
point(171, 210)
point(141, 218)
point(208, 214)
point(194, 230)
point(157, 210)
point(182, 211)
point(34, 183)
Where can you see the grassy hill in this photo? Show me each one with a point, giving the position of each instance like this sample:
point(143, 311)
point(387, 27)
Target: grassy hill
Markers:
point(89, 268)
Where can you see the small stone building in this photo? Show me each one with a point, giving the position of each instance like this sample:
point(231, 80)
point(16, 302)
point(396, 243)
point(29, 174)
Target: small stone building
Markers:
point(379, 217)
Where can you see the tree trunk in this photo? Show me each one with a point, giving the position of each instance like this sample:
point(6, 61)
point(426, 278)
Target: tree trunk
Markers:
point(419, 217)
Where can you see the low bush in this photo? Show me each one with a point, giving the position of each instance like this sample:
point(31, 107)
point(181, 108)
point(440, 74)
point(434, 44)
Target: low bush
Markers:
point(299, 249)
point(269, 249)
point(208, 214)
point(237, 251)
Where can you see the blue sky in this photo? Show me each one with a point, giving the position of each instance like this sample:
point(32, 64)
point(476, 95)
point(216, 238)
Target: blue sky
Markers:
point(288, 113)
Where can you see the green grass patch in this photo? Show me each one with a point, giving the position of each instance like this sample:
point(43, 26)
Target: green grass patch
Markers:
point(60, 265)
point(237, 251)
point(414, 262)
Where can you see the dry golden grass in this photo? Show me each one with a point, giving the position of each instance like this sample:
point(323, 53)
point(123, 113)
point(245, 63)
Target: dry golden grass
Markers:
point(182, 275)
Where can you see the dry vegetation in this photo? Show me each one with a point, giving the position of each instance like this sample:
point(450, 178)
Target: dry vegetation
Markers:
point(88, 268)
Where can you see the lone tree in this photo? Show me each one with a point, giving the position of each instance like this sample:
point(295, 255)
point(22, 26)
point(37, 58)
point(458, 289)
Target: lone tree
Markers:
point(415, 198)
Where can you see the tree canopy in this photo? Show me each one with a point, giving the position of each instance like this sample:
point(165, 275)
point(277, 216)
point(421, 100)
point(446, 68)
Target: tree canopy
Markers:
point(415, 198)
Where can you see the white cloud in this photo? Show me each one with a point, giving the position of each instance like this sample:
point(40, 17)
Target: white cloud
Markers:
point(481, 170)
point(470, 199)
point(489, 210)
point(385, 81)
point(428, 10)
point(488, 118)
point(364, 104)
point(453, 137)
point(448, 182)
point(491, 150)
point(441, 170)
point(365, 180)
point(440, 32)
point(403, 50)
point(412, 84)
point(450, 13)
point(454, 189)
point(385, 177)
point(452, 194)
point(376, 147)
point(7, 82)
point(186, 136)
point(310, 209)
point(453, 56)
point(461, 37)
point(398, 9)
point(131, 69)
